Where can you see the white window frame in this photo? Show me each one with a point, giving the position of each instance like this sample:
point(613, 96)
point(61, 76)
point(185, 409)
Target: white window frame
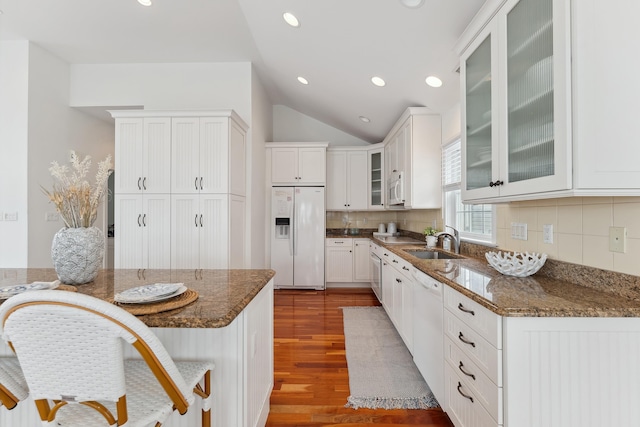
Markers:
point(451, 193)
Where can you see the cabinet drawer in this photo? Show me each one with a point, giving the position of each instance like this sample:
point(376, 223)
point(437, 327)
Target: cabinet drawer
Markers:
point(339, 242)
point(488, 393)
point(401, 265)
point(463, 406)
point(482, 320)
point(479, 350)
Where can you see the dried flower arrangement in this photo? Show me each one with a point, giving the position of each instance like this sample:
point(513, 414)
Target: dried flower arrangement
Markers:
point(74, 198)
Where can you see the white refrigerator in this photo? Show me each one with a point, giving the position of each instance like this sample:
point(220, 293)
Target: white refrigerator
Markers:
point(297, 236)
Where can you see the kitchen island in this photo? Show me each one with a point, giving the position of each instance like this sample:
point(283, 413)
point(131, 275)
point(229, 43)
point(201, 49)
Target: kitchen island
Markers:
point(231, 323)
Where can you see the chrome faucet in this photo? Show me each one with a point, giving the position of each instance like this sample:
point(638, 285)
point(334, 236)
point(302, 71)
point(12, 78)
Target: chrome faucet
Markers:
point(455, 236)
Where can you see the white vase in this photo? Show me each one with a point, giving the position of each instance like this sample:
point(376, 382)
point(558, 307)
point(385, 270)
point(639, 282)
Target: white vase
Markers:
point(77, 254)
point(432, 241)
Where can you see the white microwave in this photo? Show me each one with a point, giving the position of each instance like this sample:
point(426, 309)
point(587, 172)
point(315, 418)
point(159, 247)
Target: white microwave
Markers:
point(395, 189)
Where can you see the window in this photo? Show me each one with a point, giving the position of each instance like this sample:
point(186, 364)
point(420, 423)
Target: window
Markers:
point(474, 222)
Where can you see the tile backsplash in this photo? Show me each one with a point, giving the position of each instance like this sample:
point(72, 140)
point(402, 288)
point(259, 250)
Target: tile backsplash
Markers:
point(580, 228)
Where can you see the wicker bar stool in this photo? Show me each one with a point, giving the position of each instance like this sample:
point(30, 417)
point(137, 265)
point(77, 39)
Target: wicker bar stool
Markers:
point(13, 387)
point(70, 348)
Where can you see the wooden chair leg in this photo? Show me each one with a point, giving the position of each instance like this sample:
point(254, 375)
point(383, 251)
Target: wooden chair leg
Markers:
point(206, 415)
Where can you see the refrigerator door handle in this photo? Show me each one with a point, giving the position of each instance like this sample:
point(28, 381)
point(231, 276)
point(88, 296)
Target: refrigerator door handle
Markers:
point(295, 233)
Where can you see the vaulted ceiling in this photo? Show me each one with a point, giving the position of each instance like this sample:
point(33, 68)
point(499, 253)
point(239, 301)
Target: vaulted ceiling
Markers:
point(338, 47)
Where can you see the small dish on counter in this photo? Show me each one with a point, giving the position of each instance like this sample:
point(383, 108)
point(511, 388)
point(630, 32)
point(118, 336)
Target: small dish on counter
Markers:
point(516, 264)
point(150, 293)
point(9, 291)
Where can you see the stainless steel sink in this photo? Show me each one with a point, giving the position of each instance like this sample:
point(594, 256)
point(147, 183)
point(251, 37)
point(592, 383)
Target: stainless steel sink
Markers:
point(423, 254)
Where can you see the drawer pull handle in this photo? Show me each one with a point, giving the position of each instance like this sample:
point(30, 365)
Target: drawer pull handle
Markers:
point(465, 372)
point(398, 280)
point(395, 260)
point(462, 394)
point(405, 268)
point(462, 338)
point(466, 310)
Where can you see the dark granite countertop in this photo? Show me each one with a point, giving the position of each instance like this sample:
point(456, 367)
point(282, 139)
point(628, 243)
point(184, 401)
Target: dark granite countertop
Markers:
point(533, 296)
point(223, 294)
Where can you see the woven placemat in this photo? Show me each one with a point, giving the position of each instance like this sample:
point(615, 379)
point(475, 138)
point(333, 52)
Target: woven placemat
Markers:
point(180, 301)
point(68, 288)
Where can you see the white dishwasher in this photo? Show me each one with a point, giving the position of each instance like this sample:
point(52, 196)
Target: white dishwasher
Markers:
point(428, 338)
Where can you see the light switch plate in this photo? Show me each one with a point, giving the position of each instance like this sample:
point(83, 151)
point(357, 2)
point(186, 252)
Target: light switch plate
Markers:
point(547, 233)
point(618, 239)
point(11, 216)
point(519, 231)
point(51, 216)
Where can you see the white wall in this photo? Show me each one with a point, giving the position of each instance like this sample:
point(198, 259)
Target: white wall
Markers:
point(451, 124)
point(261, 131)
point(54, 129)
point(292, 126)
point(14, 88)
point(184, 86)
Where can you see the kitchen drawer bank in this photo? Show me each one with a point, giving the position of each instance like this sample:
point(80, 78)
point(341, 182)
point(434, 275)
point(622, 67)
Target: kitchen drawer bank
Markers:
point(547, 353)
point(230, 323)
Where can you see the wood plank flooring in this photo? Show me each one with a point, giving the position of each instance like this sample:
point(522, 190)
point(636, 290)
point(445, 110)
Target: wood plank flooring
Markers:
point(311, 379)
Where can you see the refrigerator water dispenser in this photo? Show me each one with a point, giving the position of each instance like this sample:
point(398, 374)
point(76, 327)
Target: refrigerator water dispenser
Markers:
point(282, 228)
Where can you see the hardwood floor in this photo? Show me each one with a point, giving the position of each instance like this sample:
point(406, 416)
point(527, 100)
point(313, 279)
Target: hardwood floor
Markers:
point(311, 379)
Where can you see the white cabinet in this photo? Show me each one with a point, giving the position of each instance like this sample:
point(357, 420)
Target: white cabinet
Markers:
point(141, 224)
point(298, 164)
point(347, 260)
point(142, 155)
point(397, 295)
point(361, 263)
point(201, 225)
point(413, 147)
point(180, 186)
point(516, 101)
point(376, 177)
point(539, 119)
point(339, 260)
point(347, 179)
point(473, 359)
point(207, 155)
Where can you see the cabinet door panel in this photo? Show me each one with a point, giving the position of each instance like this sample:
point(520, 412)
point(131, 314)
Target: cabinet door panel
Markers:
point(237, 161)
point(357, 180)
point(128, 251)
point(336, 180)
point(376, 179)
point(185, 153)
point(214, 154)
point(236, 231)
point(312, 165)
point(361, 263)
point(214, 231)
point(156, 240)
point(185, 230)
point(157, 156)
point(284, 165)
point(129, 156)
point(339, 263)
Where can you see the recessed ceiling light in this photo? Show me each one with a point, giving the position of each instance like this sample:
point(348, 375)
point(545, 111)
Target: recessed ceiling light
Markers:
point(291, 19)
point(145, 2)
point(413, 4)
point(365, 119)
point(433, 81)
point(378, 81)
point(303, 80)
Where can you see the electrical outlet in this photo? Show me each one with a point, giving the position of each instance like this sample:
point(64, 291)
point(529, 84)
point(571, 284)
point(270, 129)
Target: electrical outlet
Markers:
point(547, 233)
point(519, 231)
point(11, 216)
point(618, 239)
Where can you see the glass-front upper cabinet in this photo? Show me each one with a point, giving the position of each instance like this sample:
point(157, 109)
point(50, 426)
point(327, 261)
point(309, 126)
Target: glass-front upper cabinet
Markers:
point(376, 178)
point(530, 88)
point(516, 102)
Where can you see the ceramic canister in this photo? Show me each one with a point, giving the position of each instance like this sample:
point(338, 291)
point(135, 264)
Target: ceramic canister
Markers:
point(381, 229)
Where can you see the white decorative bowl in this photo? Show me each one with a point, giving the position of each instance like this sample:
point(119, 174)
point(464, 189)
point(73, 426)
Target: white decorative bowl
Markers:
point(516, 264)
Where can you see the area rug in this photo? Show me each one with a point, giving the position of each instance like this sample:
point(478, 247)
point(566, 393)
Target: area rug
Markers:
point(381, 370)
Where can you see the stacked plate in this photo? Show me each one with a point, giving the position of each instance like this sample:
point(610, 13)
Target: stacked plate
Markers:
point(147, 294)
point(9, 291)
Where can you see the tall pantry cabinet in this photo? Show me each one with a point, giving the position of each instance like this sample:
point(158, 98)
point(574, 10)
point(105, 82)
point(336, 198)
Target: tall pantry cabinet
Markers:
point(181, 203)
